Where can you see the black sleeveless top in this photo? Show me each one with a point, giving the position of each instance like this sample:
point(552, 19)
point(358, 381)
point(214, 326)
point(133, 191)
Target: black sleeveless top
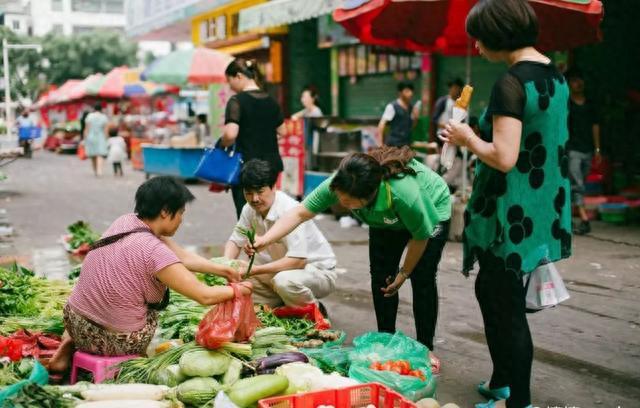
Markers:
point(401, 126)
point(258, 115)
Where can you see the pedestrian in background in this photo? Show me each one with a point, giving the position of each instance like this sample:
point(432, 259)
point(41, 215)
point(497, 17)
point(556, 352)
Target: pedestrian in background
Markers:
point(253, 121)
point(442, 114)
point(401, 116)
point(95, 138)
point(309, 100)
point(117, 151)
point(584, 144)
point(519, 213)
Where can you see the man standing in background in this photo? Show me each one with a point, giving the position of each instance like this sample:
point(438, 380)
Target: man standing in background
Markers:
point(583, 145)
point(401, 115)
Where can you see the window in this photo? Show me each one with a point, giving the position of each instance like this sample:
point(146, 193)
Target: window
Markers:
point(98, 6)
point(56, 5)
point(57, 29)
point(15, 24)
point(86, 6)
point(82, 29)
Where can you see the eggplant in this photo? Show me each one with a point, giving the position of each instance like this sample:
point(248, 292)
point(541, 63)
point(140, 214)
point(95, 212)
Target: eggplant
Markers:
point(276, 360)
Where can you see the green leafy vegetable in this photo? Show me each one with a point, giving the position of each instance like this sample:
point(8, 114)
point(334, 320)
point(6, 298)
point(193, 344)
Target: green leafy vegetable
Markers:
point(81, 233)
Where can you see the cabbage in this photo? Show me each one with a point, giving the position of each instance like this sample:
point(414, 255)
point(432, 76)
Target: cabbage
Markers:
point(203, 363)
point(300, 376)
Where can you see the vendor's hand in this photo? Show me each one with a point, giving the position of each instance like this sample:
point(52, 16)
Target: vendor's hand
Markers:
point(259, 243)
point(245, 288)
point(393, 287)
point(455, 133)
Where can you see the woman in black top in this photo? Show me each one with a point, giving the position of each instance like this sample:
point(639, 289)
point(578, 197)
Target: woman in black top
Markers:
point(253, 121)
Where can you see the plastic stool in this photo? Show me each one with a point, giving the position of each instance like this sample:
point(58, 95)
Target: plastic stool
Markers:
point(100, 366)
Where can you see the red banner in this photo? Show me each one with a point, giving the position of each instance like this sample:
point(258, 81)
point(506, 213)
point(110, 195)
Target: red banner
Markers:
point(292, 152)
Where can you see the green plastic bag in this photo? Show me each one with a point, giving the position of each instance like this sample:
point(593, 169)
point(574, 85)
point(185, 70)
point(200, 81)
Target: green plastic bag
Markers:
point(330, 359)
point(39, 375)
point(382, 347)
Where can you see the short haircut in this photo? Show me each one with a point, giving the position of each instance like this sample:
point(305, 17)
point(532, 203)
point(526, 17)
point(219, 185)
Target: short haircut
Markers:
point(113, 131)
point(161, 193)
point(404, 85)
point(574, 73)
point(456, 81)
point(98, 107)
point(503, 25)
point(257, 174)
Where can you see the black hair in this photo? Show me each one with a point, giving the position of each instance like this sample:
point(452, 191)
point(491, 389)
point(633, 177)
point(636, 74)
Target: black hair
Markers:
point(257, 174)
point(404, 85)
point(573, 73)
point(202, 117)
point(161, 193)
point(248, 68)
point(97, 107)
point(503, 25)
point(456, 81)
point(313, 91)
point(359, 174)
point(113, 131)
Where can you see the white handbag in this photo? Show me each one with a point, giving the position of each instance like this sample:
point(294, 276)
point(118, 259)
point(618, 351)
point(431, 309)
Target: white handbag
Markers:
point(545, 288)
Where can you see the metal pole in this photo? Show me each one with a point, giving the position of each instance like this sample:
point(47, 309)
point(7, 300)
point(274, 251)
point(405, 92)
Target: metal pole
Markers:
point(7, 89)
point(465, 152)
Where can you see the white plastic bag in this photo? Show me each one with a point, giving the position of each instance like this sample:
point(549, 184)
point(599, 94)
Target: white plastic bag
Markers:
point(545, 288)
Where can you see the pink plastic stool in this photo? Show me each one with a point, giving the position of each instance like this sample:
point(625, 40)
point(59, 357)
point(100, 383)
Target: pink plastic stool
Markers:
point(100, 366)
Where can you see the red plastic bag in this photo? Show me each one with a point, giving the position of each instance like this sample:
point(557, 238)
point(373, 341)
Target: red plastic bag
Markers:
point(309, 312)
point(82, 155)
point(234, 320)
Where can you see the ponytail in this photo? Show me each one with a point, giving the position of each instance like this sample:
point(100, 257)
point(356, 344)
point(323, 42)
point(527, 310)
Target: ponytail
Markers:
point(360, 174)
point(248, 68)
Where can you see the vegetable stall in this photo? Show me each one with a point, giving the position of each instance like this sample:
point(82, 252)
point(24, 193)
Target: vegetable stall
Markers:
point(274, 357)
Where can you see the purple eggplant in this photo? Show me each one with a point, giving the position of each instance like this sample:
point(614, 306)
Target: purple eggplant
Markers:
point(276, 360)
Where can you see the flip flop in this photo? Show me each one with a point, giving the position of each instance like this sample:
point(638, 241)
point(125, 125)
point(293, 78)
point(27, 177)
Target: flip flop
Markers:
point(492, 404)
point(493, 394)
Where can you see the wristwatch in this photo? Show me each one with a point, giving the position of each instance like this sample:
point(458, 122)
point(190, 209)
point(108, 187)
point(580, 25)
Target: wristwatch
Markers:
point(402, 272)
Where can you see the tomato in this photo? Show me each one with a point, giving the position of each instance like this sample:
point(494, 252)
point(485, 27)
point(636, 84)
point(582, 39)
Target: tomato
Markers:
point(418, 374)
point(396, 369)
point(404, 366)
point(376, 366)
point(387, 366)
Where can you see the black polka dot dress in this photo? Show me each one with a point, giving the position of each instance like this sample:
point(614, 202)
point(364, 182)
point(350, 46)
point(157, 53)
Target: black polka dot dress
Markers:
point(522, 217)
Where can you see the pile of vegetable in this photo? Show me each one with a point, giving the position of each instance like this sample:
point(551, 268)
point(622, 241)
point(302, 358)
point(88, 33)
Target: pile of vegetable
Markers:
point(31, 303)
point(293, 327)
point(81, 237)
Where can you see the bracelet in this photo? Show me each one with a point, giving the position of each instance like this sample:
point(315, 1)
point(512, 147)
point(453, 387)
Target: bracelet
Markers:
point(466, 140)
point(402, 272)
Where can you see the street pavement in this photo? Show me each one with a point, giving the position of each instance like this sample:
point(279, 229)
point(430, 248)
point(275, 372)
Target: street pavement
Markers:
point(587, 351)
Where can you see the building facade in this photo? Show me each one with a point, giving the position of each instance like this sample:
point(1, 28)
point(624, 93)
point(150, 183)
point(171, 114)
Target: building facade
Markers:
point(14, 14)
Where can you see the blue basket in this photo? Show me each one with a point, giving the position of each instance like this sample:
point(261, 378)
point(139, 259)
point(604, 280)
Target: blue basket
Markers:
point(31, 132)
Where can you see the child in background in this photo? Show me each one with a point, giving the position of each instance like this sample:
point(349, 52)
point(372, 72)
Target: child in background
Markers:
point(117, 151)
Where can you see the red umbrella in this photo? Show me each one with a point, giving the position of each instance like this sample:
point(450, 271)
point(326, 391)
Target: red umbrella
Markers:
point(439, 25)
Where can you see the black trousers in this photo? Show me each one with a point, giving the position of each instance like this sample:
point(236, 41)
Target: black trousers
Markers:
point(385, 250)
point(501, 296)
point(238, 199)
point(117, 168)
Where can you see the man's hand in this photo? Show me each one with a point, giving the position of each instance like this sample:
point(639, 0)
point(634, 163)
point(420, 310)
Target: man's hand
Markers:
point(394, 286)
point(258, 245)
point(233, 274)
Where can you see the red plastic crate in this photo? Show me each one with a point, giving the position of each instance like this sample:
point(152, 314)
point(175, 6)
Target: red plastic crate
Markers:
point(358, 396)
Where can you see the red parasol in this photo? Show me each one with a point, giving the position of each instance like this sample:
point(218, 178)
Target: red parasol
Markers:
point(439, 25)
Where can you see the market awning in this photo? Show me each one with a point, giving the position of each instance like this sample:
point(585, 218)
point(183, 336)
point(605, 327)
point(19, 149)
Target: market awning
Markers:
point(283, 12)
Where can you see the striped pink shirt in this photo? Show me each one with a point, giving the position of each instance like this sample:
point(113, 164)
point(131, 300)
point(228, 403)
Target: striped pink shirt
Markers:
point(117, 281)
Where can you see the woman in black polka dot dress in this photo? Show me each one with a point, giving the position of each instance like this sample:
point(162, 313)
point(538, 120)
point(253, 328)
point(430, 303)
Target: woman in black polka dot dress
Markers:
point(518, 215)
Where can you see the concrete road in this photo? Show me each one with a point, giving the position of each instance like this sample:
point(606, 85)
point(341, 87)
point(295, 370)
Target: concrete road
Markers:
point(587, 351)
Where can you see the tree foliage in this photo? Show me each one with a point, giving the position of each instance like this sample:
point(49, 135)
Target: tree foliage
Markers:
point(63, 58)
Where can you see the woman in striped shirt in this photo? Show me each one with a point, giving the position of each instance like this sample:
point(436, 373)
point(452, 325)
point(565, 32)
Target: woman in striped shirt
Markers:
point(126, 277)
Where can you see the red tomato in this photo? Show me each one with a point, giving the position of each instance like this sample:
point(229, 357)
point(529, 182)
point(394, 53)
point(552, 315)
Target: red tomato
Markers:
point(387, 366)
point(404, 366)
point(396, 369)
point(376, 366)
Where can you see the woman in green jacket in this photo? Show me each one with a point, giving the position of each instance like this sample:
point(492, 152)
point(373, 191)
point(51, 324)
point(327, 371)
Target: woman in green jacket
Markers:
point(407, 206)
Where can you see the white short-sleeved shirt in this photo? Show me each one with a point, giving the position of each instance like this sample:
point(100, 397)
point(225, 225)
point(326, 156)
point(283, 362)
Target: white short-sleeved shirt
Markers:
point(306, 241)
point(390, 112)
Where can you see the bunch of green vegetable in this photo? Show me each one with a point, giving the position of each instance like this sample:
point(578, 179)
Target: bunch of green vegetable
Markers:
point(81, 233)
point(75, 272)
point(270, 340)
point(33, 395)
point(145, 370)
point(25, 295)
point(294, 327)
point(250, 234)
point(181, 318)
point(11, 324)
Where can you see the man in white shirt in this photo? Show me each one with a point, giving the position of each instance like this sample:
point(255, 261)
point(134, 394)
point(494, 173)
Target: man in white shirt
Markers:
point(401, 116)
point(299, 269)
